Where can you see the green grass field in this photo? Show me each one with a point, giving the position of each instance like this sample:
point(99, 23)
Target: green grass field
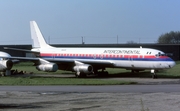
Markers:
point(170, 73)
point(114, 72)
point(58, 81)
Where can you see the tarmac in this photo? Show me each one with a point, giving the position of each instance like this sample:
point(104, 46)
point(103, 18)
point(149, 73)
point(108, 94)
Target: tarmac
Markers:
point(28, 100)
point(54, 101)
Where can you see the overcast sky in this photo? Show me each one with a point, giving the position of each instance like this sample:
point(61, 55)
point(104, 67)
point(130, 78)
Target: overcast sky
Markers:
point(98, 21)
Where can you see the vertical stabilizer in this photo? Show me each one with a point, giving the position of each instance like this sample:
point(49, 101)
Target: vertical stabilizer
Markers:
point(36, 36)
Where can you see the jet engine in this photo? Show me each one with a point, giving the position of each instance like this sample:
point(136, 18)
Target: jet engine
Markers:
point(83, 68)
point(49, 67)
point(5, 65)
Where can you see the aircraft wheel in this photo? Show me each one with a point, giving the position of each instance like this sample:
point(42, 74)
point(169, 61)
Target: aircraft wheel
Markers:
point(103, 74)
point(106, 73)
point(132, 71)
point(154, 76)
point(80, 75)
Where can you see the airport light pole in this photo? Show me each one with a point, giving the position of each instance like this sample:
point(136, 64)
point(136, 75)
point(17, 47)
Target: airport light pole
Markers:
point(117, 39)
point(83, 40)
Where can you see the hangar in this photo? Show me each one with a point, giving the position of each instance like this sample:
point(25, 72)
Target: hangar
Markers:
point(173, 50)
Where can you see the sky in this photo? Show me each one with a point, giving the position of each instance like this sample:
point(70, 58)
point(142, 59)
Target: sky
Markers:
point(96, 21)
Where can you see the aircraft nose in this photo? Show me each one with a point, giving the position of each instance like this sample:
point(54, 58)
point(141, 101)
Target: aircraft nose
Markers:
point(172, 64)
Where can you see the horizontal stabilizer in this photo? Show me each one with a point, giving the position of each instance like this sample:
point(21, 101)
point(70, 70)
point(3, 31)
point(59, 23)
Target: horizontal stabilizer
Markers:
point(8, 48)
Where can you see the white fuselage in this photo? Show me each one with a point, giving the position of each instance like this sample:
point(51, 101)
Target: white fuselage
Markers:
point(129, 58)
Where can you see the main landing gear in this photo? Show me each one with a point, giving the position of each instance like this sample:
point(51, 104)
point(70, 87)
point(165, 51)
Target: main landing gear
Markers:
point(101, 73)
point(80, 75)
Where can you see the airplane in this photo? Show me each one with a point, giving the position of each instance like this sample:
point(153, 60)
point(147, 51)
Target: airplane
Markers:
point(5, 64)
point(85, 61)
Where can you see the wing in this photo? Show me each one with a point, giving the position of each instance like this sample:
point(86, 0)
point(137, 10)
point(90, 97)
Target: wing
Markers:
point(67, 64)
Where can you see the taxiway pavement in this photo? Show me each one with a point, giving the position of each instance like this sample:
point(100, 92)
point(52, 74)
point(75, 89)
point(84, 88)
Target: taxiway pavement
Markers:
point(97, 89)
point(158, 95)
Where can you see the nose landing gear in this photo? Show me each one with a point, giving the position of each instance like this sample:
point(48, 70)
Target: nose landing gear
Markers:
point(154, 75)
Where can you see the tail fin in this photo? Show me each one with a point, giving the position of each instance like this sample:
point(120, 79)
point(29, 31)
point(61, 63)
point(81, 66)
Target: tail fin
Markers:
point(36, 36)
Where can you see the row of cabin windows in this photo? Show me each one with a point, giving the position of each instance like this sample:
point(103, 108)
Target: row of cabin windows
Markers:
point(100, 55)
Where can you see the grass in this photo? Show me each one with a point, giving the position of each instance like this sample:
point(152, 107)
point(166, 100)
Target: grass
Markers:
point(171, 73)
point(58, 81)
point(37, 80)
point(114, 72)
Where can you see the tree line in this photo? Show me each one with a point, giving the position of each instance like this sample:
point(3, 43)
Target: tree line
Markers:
point(172, 37)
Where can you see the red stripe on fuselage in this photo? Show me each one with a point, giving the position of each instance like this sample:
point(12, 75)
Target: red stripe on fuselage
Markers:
point(101, 55)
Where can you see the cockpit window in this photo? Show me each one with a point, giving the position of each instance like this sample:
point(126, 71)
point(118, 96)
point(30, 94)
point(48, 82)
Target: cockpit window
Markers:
point(160, 54)
point(157, 55)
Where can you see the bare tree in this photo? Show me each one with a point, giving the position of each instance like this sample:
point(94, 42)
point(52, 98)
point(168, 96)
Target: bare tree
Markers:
point(131, 42)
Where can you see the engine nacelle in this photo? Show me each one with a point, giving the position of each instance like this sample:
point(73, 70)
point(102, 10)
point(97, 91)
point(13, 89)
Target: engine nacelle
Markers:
point(49, 67)
point(5, 65)
point(83, 68)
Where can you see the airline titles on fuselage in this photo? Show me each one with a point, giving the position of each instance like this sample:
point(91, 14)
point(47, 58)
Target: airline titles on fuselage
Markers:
point(121, 51)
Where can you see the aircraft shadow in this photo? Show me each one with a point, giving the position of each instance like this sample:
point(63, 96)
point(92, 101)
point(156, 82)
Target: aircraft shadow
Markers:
point(143, 74)
point(19, 106)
